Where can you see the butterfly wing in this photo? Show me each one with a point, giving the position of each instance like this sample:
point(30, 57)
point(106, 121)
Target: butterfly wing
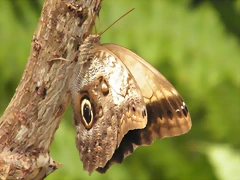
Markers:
point(107, 103)
point(166, 107)
point(167, 113)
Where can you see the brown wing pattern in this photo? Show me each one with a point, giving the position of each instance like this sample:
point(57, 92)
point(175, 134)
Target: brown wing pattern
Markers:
point(167, 113)
point(106, 102)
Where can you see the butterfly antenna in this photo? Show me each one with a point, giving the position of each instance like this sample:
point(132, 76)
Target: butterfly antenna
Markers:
point(116, 21)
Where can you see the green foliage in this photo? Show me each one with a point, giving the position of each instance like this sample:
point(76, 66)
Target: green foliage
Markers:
point(195, 44)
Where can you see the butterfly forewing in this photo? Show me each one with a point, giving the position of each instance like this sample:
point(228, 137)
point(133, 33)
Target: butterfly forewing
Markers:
point(168, 113)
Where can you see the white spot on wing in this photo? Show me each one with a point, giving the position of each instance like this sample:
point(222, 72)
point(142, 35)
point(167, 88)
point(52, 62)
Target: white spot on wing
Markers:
point(174, 92)
point(118, 79)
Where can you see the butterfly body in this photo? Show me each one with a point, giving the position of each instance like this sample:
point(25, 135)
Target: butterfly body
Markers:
point(120, 102)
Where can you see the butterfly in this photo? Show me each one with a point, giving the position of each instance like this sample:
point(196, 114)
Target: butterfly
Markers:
point(120, 102)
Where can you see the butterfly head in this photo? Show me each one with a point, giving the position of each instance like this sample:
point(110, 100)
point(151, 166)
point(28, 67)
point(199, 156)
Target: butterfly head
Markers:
point(88, 45)
point(92, 39)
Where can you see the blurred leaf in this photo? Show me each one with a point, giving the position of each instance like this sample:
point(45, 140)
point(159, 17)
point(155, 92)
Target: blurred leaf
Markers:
point(225, 160)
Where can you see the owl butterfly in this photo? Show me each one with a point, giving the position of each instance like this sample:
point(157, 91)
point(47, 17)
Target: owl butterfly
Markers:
point(120, 102)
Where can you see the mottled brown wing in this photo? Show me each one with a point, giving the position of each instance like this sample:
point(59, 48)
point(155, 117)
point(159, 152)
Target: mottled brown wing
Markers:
point(106, 102)
point(167, 113)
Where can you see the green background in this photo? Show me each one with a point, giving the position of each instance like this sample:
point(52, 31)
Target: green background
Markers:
point(194, 43)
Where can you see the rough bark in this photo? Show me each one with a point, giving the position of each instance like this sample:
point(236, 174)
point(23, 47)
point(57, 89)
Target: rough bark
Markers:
point(29, 122)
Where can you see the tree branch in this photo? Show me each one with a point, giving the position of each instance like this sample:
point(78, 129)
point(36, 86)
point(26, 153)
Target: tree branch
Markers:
point(28, 124)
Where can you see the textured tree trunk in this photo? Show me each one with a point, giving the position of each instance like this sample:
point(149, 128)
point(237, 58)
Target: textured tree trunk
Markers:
point(29, 122)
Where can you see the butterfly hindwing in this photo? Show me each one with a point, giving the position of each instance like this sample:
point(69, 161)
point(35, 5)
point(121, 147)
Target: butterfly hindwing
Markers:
point(107, 103)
